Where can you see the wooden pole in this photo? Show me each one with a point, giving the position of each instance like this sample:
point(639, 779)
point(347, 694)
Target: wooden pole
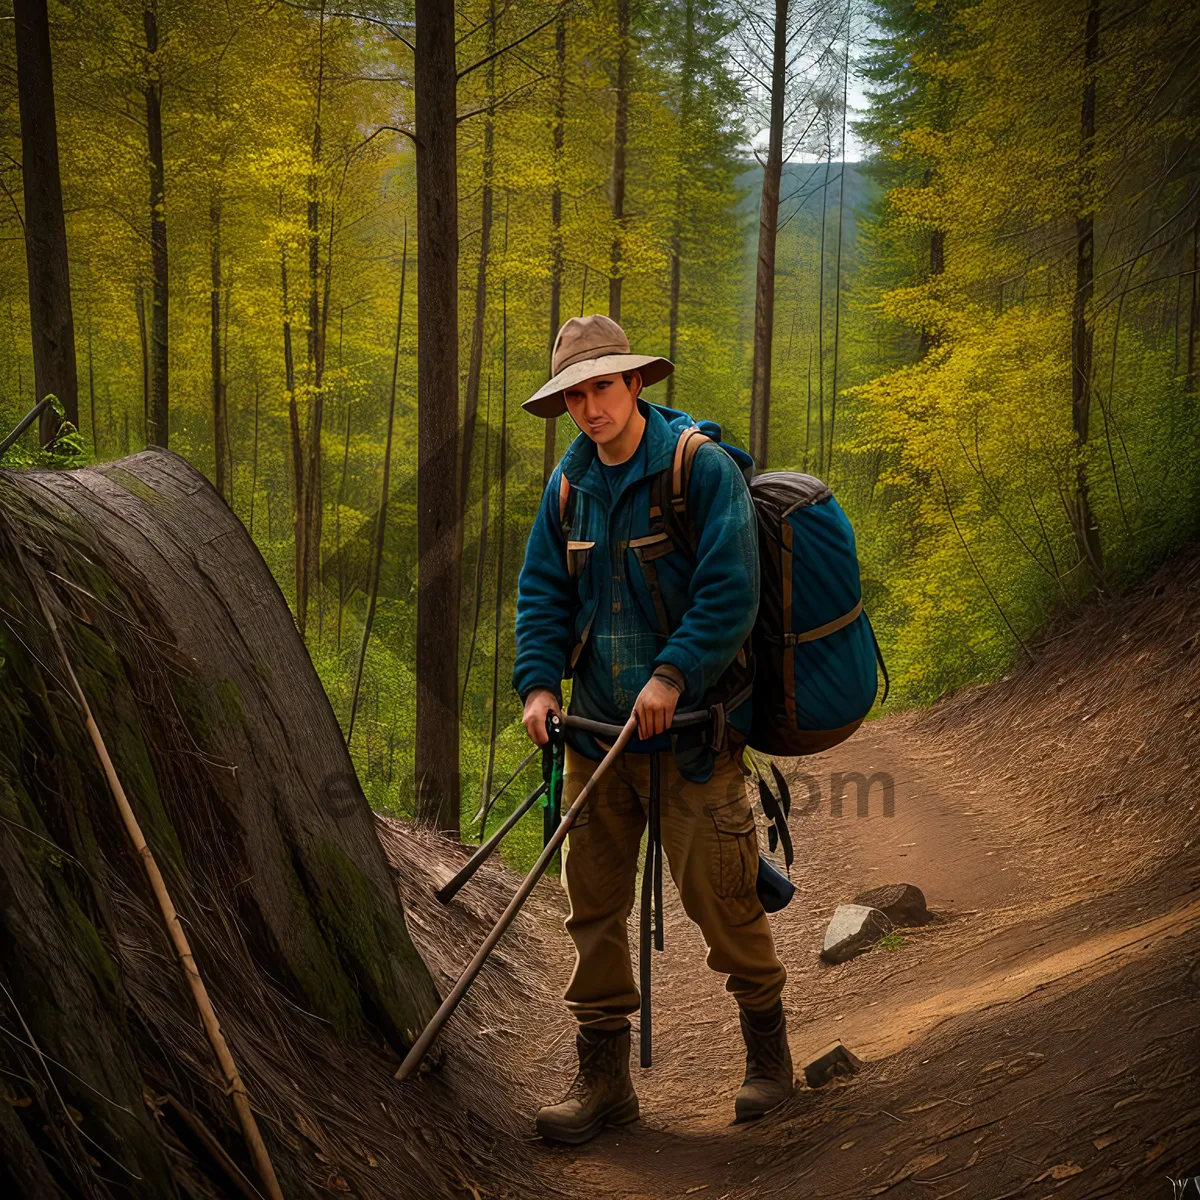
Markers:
point(208, 1016)
point(421, 1045)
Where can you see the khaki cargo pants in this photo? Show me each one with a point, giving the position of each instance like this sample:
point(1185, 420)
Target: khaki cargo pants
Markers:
point(709, 839)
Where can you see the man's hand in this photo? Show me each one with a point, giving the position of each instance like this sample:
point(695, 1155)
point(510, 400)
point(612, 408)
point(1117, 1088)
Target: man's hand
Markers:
point(655, 707)
point(538, 705)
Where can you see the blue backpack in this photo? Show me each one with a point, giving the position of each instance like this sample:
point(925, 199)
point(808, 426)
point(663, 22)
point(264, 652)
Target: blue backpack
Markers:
point(813, 649)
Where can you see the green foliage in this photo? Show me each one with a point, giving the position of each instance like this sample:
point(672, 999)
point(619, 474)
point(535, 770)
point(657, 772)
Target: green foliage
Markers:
point(923, 299)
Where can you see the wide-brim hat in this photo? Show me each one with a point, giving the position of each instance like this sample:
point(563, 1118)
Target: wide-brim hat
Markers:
point(584, 348)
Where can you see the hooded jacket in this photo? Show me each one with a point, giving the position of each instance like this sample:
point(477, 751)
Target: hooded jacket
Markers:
point(592, 598)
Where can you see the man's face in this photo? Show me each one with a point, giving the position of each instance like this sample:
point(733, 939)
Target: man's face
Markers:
point(603, 406)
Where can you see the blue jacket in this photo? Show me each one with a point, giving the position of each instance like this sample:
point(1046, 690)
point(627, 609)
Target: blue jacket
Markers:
point(711, 599)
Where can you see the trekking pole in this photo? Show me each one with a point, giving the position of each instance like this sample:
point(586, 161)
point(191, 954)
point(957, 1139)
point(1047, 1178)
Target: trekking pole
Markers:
point(550, 787)
point(447, 892)
point(439, 1018)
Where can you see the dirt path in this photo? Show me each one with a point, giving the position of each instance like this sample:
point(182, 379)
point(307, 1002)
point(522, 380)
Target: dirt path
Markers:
point(1004, 936)
point(1041, 1038)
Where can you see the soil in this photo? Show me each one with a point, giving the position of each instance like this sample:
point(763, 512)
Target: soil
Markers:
point(1041, 1037)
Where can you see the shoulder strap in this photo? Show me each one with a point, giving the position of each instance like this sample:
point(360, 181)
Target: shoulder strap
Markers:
point(680, 475)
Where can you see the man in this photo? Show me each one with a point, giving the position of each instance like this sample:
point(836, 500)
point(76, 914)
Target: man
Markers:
point(640, 623)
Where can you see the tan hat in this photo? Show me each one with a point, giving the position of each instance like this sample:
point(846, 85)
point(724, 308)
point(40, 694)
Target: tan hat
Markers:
point(587, 347)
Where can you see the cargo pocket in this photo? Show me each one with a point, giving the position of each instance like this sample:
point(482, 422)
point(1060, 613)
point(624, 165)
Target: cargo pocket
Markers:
point(577, 557)
point(734, 864)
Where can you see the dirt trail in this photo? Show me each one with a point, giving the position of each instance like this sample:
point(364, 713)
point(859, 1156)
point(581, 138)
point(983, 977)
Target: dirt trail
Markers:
point(1003, 936)
point(1040, 1038)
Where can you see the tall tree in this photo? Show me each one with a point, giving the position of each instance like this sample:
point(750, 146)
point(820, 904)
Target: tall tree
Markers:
point(557, 265)
point(475, 353)
point(768, 221)
point(158, 422)
point(620, 144)
point(438, 513)
point(51, 321)
point(1087, 532)
point(687, 83)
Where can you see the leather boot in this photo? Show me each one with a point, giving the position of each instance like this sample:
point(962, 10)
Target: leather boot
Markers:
point(602, 1093)
point(768, 1080)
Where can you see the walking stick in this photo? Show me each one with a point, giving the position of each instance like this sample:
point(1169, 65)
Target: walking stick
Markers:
point(447, 892)
point(425, 1040)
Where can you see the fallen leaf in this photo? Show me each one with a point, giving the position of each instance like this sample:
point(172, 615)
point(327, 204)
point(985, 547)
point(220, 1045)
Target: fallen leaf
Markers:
point(1060, 1171)
point(1107, 1140)
point(1134, 1099)
point(698, 1188)
point(1154, 1152)
point(914, 1166)
point(845, 1145)
point(916, 1108)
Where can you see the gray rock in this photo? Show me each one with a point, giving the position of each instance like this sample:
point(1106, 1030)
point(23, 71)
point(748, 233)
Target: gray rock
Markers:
point(853, 929)
point(834, 1060)
point(901, 903)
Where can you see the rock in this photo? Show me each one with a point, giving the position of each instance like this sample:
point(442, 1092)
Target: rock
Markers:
point(835, 1059)
point(853, 929)
point(901, 903)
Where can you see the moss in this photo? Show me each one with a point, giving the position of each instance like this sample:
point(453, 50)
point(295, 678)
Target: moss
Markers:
point(130, 483)
point(372, 941)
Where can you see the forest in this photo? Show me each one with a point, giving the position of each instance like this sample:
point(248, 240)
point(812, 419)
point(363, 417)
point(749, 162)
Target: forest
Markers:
point(322, 254)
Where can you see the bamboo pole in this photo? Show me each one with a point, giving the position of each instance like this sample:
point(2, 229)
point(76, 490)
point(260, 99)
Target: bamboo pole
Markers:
point(208, 1017)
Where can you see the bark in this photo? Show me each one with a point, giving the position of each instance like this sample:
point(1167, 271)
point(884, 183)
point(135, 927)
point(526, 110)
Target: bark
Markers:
point(437, 726)
point(557, 265)
point(502, 471)
point(685, 111)
point(220, 419)
point(308, 558)
point(768, 222)
point(475, 359)
point(821, 328)
point(144, 344)
point(92, 384)
point(50, 317)
point(381, 520)
point(1087, 532)
point(837, 271)
point(157, 429)
point(294, 443)
point(620, 142)
point(234, 764)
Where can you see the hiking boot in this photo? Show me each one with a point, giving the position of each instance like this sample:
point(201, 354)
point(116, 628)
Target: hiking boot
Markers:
point(602, 1093)
point(768, 1080)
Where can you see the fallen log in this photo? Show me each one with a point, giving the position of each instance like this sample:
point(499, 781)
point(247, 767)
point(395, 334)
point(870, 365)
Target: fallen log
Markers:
point(236, 769)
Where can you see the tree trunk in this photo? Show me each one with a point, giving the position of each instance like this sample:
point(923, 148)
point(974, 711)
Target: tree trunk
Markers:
point(311, 510)
point(837, 270)
point(557, 266)
point(381, 519)
point(50, 318)
point(685, 111)
point(220, 423)
point(620, 140)
point(937, 264)
point(144, 343)
point(437, 767)
point(1087, 532)
point(501, 473)
point(158, 429)
point(821, 325)
point(768, 221)
point(475, 360)
point(299, 556)
point(234, 764)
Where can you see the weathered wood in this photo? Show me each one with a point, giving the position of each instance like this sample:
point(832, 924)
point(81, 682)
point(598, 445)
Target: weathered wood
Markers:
point(234, 764)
